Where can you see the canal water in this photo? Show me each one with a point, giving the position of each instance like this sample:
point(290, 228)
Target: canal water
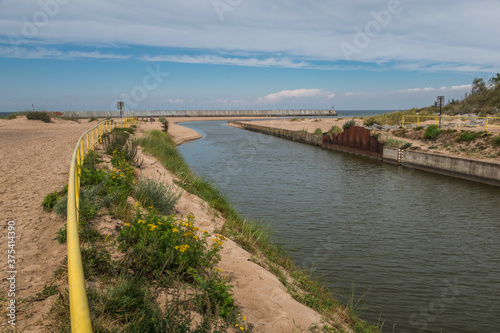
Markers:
point(421, 250)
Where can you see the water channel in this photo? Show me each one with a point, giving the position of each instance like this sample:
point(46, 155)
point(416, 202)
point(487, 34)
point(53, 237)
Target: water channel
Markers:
point(422, 248)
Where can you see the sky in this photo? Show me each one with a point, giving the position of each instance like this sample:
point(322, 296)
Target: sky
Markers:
point(74, 55)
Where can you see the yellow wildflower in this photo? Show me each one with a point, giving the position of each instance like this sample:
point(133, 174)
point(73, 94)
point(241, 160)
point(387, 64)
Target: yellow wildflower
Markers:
point(175, 230)
point(182, 248)
point(127, 224)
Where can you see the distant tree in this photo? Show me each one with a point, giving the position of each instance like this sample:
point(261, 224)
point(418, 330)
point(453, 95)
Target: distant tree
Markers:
point(494, 82)
point(478, 86)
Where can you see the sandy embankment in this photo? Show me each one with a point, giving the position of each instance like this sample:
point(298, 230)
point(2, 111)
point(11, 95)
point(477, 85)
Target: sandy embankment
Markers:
point(261, 297)
point(35, 159)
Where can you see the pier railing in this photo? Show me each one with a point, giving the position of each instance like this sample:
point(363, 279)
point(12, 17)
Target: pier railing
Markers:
point(89, 141)
point(457, 122)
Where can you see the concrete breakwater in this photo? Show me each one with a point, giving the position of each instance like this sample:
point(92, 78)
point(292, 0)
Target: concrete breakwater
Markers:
point(474, 170)
point(202, 113)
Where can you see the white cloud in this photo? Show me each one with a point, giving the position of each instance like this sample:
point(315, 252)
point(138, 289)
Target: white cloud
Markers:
point(464, 87)
point(298, 93)
point(428, 36)
point(218, 60)
point(46, 53)
point(175, 101)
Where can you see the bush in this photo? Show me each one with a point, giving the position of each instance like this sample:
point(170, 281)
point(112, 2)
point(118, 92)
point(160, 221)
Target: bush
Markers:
point(335, 130)
point(432, 132)
point(43, 116)
point(406, 145)
point(93, 119)
point(163, 244)
point(467, 136)
point(11, 116)
point(154, 193)
point(50, 201)
point(318, 131)
point(348, 124)
point(369, 121)
point(496, 141)
point(393, 142)
point(164, 123)
point(119, 140)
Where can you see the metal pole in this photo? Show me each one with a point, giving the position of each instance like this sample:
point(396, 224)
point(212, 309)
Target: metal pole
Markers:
point(440, 115)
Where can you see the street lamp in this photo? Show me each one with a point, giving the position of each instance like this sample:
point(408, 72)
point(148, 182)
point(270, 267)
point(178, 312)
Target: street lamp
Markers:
point(120, 106)
point(440, 102)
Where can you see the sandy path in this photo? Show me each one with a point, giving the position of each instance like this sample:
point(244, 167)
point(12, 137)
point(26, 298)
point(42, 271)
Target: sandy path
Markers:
point(34, 160)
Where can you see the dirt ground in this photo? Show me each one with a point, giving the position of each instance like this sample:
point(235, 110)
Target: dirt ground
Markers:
point(35, 159)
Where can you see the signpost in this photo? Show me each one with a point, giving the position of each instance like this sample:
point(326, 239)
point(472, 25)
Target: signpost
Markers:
point(120, 105)
point(440, 102)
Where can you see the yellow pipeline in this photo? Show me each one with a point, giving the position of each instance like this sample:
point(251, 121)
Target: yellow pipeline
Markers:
point(78, 303)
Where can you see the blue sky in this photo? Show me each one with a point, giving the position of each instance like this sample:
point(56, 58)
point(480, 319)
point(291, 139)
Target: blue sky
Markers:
point(243, 54)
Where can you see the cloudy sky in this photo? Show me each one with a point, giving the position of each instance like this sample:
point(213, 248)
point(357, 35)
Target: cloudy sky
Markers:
point(243, 54)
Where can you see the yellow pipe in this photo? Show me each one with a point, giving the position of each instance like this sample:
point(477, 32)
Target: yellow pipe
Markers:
point(486, 124)
point(79, 308)
point(81, 151)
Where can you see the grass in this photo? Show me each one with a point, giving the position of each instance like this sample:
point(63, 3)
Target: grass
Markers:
point(255, 237)
point(152, 192)
point(159, 251)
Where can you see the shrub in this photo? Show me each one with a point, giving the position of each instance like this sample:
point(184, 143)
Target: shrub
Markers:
point(467, 136)
point(154, 193)
point(160, 244)
point(335, 130)
point(496, 141)
point(119, 140)
point(348, 124)
point(50, 201)
point(432, 132)
point(61, 207)
point(216, 296)
point(394, 143)
point(42, 115)
point(369, 121)
point(93, 119)
point(318, 131)
point(433, 147)
point(11, 116)
point(164, 123)
point(406, 145)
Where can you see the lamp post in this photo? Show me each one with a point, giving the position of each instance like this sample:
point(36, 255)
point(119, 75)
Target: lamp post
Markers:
point(120, 105)
point(440, 102)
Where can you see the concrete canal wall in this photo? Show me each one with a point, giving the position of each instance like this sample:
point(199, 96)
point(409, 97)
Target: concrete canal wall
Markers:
point(300, 136)
point(202, 113)
point(474, 170)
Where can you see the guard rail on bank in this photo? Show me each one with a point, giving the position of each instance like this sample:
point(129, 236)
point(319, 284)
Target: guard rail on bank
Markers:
point(90, 140)
point(452, 121)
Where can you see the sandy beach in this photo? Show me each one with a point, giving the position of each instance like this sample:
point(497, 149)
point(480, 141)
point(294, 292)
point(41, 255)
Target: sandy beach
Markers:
point(35, 161)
